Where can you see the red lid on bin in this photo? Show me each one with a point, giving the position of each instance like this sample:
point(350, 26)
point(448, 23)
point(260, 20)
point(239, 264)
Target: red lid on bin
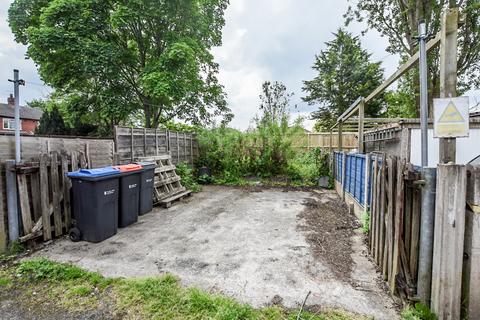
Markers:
point(128, 167)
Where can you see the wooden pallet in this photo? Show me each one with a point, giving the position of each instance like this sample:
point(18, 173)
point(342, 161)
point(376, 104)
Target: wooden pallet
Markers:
point(168, 186)
point(167, 202)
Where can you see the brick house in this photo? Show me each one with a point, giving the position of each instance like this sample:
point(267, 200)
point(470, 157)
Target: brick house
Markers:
point(29, 117)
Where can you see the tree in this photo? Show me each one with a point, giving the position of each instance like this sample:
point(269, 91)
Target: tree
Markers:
point(123, 56)
point(398, 21)
point(344, 74)
point(51, 122)
point(275, 102)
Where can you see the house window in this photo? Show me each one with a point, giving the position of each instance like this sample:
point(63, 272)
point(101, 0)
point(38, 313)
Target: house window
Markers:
point(9, 124)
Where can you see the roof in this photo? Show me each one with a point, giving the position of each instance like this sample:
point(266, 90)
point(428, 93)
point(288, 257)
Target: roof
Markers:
point(25, 112)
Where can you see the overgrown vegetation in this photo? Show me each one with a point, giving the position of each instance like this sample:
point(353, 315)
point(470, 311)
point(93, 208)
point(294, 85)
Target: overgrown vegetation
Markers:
point(13, 249)
point(188, 178)
point(366, 222)
point(74, 289)
point(418, 312)
point(270, 149)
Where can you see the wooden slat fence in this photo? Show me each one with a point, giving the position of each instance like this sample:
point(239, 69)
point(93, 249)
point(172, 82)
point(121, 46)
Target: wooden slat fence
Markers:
point(43, 190)
point(395, 223)
point(134, 143)
point(322, 140)
point(98, 152)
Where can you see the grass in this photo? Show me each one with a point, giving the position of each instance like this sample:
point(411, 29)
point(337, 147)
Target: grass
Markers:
point(13, 250)
point(162, 297)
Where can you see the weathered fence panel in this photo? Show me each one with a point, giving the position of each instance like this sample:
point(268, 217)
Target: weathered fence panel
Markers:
point(43, 191)
point(98, 152)
point(134, 143)
point(311, 140)
point(388, 189)
point(448, 241)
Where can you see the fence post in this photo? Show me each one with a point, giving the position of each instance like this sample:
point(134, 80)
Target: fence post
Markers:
point(131, 145)
point(3, 229)
point(471, 262)
point(427, 222)
point(448, 241)
point(340, 136)
point(12, 201)
point(361, 114)
point(448, 74)
point(367, 180)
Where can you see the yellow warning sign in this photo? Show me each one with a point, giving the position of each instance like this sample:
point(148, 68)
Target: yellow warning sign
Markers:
point(451, 117)
point(451, 114)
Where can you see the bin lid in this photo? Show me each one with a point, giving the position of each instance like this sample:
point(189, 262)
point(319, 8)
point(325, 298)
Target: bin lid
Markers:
point(92, 173)
point(128, 167)
point(147, 164)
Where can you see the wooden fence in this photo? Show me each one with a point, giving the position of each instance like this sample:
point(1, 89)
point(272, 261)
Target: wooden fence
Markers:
point(134, 143)
point(395, 223)
point(43, 191)
point(323, 139)
point(98, 152)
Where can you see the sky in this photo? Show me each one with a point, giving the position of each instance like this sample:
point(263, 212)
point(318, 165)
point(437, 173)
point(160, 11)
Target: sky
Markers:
point(274, 40)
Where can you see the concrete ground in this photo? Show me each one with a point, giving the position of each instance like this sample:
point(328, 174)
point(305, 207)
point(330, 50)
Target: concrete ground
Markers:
point(245, 243)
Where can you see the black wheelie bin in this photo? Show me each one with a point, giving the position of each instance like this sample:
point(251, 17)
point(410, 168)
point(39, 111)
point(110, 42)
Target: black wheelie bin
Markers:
point(147, 183)
point(129, 194)
point(95, 203)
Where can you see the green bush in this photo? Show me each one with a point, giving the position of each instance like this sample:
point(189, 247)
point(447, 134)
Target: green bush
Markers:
point(188, 178)
point(265, 151)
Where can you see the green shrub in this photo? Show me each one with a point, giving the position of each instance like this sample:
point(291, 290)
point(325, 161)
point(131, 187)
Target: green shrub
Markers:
point(264, 151)
point(188, 178)
point(419, 312)
point(366, 222)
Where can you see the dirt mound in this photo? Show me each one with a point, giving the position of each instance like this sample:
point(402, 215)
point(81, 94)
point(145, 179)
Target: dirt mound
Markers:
point(329, 229)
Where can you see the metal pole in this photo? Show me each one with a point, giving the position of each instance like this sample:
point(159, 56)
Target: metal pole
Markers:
point(12, 201)
point(422, 38)
point(427, 222)
point(17, 82)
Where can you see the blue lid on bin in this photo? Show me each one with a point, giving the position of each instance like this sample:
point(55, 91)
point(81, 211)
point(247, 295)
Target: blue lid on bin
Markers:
point(93, 173)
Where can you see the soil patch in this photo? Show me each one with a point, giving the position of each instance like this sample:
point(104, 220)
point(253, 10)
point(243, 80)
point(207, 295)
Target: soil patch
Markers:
point(329, 229)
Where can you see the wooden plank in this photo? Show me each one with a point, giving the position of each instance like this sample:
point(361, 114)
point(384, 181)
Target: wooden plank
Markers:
point(54, 179)
point(415, 233)
point(373, 206)
point(448, 74)
point(83, 162)
point(388, 253)
point(448, 241)
point(44, 197)
point(67, 185)
point(35, 187)
point(361, 115)
point(74, 160)
point(381, 229)
point(398, 226)
point(471, 262)
point(24, 200)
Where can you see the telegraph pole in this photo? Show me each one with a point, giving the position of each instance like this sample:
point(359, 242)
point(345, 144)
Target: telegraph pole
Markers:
point(17, 82)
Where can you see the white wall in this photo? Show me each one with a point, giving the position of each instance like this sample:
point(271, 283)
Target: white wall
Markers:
point(467, 148)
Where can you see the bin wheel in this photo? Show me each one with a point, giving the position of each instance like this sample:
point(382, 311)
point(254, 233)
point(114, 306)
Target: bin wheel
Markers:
point(74, 234)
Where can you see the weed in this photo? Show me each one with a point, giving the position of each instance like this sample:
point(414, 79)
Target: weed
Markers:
point(188, 178)
point(418, 312)
point(366, 222)
point(4, 282)
point(80, 291)
point(14, 249)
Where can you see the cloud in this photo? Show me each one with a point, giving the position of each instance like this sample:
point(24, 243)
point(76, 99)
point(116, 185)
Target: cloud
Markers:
point(12, 56)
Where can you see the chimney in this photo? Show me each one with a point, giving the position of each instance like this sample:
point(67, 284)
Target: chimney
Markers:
point(11, 101)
